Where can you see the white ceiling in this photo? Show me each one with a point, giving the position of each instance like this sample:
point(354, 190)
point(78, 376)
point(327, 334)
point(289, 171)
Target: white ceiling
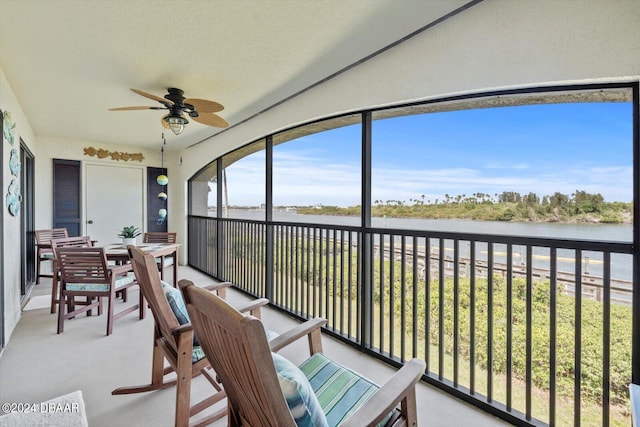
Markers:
point(69, 61)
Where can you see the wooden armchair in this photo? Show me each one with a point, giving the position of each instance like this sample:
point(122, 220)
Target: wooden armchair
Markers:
point(162, 237)
point(69, 242)
point(84, 272)
point(264, 389)
point(44, 252)
point(174, 341)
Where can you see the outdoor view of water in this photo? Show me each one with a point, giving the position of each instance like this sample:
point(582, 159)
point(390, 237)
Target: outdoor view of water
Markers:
point(604, 232)
point(592, 263)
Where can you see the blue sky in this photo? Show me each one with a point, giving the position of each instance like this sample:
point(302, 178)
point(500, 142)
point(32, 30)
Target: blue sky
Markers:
point(536, 148)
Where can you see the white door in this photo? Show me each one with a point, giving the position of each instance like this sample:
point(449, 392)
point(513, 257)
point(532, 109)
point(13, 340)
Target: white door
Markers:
point(114, 198)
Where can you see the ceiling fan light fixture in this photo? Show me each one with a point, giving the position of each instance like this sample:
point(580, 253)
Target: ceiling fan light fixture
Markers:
point(176, 123)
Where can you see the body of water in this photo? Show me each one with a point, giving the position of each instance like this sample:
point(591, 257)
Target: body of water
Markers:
point(592, 262)
point(603, 232)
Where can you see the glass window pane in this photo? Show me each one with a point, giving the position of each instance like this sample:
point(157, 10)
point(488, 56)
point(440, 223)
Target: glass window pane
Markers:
point(543, 169)
point(317, 172)
point(243, 182)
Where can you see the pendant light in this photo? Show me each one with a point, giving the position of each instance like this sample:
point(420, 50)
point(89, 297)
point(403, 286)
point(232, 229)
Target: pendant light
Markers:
point(162, 180)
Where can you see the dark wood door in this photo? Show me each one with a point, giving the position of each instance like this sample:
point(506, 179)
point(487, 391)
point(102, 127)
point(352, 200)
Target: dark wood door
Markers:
point(67, 185)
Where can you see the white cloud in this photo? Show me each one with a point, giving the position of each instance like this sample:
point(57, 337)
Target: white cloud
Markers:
point(306, 178)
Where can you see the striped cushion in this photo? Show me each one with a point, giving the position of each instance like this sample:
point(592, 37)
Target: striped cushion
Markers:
point(197, 353)
point(301, 400)
point(339, 390)
point(100, 287)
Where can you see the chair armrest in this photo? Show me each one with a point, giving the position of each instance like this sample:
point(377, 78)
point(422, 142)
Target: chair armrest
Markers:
point(120, 269)
point(219, 288)
point(216, 286)
point(252, 307)
point(181, 329)
point(309, 328)
point(388, 396)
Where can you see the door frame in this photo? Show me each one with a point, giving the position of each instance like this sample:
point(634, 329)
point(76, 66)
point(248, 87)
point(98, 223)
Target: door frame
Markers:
point(27, 219)
point(2, 305)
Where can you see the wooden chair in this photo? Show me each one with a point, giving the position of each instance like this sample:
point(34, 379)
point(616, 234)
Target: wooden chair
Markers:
point(44, 252)
point(69, 242)
point(256, 380)
point(161, 237)
point(174, 342)
point(84, 272)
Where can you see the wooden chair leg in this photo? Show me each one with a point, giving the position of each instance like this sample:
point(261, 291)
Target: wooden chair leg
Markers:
point(54, 293)
point(175, 269)
point(38, 270)
point(61, 312)
point(110, 309)
point(183, 373)
point(157, 374)
point(142, 306)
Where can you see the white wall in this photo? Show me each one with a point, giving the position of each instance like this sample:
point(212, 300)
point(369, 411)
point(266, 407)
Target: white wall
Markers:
point(11, 229)
point(496, 44)
point(51, 148)
point(44, 151)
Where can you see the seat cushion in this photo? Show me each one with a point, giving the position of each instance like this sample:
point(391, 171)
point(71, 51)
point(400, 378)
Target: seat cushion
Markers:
point(339, 390)
point(298, 393)
point(101, 287)
point(179, 308)
point(46, 255)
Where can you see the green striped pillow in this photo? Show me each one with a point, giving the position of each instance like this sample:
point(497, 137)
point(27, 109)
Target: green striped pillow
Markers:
point(339, 390)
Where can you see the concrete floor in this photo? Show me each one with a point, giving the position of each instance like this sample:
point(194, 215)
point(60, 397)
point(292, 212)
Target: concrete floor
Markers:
point(38, 364)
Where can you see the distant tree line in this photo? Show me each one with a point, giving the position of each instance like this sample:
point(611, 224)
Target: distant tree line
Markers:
point(580, 206)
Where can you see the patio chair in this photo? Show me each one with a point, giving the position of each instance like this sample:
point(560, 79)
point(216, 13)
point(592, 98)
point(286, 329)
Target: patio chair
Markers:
point(84, 272)
point(69, 242)
point(44, 252)
point(265, 389)
point(161, 237)
point(174, 341)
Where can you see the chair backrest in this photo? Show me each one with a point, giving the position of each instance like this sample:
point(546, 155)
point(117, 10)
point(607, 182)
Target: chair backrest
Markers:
point(159, 237)
point(237, 348)
point(146, 271)
point(83, 265)
point(71, 242)
point(45, 236)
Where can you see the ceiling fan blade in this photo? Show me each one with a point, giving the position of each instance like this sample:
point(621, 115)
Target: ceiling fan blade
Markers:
point(150, 96)
point(136, 108)
point(204, 105)
point(211, 120)
point(164, 124)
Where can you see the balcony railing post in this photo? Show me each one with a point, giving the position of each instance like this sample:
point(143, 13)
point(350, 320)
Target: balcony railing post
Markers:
point(269, 240)
point(366, 292)
point(219, 270)
point(635, 372)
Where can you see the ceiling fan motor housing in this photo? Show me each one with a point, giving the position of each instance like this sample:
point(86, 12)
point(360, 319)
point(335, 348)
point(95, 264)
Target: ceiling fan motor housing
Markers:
point(201, 110)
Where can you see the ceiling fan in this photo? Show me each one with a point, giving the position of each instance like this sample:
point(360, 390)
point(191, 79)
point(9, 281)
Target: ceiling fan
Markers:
point(201, 110)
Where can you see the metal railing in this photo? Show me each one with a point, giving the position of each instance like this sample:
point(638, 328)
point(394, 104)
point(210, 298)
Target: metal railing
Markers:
point(537, 331)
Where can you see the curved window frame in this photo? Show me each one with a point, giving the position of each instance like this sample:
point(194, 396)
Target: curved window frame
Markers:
point(605, 92)
point(283, 262)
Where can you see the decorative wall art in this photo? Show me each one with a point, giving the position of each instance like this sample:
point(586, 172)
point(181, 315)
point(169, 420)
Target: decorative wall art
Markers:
point(14, 197)
point(113, 155)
